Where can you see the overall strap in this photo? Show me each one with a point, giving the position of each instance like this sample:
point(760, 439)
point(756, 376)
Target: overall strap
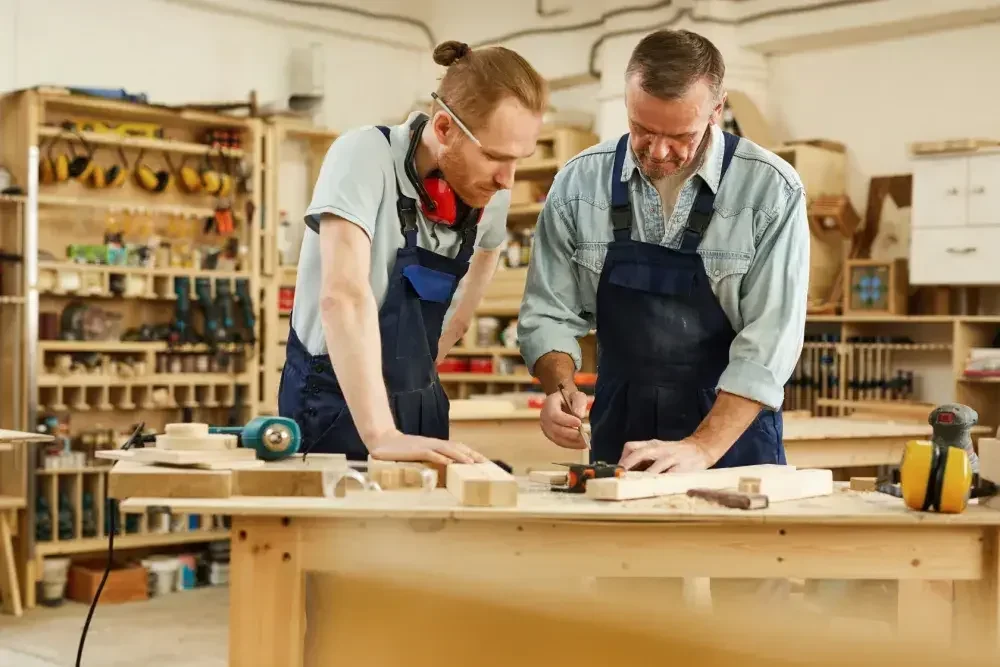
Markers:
point(468, 245)
point(621, 206)
point(406, 208)
point(704, 201)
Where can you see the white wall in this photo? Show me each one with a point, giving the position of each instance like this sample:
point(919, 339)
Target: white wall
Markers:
point(877, 98)
point(197, 50)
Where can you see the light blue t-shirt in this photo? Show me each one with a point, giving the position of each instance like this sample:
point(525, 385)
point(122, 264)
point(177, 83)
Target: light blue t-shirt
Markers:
point(357, 182)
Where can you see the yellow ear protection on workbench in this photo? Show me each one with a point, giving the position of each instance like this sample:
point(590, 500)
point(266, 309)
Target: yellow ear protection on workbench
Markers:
point(152, 181)
point(935, 477)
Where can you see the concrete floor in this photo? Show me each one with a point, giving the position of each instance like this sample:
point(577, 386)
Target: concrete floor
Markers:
point(183, 629)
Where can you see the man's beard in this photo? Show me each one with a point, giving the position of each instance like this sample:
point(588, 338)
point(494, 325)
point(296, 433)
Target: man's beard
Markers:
point(656, 170)
point(457, 175)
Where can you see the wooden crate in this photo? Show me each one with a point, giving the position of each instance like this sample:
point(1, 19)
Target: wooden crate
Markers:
point(127, 582)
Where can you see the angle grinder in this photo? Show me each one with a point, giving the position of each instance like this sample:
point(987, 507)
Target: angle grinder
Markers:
point(273, 438)
point(941, 474)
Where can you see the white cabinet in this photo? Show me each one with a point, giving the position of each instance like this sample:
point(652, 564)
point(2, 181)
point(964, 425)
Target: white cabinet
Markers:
point(956, 220)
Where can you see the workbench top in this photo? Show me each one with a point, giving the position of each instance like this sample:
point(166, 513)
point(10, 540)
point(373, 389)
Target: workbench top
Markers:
point(535, 502)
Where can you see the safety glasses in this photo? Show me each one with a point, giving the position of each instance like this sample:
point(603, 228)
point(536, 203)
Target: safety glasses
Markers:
point(456, 119)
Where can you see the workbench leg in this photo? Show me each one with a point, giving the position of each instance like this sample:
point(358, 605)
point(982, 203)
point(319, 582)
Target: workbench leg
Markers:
point(266, 593)
point(976, 609)
point(924, 611)
point(10, 586)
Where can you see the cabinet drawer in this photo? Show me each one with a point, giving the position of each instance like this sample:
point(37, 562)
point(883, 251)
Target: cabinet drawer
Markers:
point(984, 189)
point(962, 256)
point(939, 192)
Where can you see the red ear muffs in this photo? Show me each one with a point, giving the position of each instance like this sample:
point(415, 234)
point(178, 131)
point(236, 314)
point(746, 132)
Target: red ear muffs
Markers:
point(445, 207)
point(438, 202)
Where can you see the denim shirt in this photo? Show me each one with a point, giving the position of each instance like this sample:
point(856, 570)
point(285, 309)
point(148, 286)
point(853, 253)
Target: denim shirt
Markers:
point(755, 252)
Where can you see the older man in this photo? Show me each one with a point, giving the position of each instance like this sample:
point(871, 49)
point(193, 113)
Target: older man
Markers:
point(688, 249)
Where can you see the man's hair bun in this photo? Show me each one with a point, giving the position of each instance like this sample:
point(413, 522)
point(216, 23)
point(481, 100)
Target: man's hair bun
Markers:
point(447, 53)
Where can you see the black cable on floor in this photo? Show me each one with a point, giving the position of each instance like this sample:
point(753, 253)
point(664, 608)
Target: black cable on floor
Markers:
point(113, 509)
point(136, 438)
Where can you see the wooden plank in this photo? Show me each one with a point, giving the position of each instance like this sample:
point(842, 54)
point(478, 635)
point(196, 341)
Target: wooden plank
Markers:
point(130, 479)
point(989, 459)
point(635, 485)
point(481, 485)
point(22, 436)
point(795, 485)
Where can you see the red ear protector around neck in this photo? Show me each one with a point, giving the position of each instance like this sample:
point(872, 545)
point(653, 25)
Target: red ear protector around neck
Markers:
point(438, 202)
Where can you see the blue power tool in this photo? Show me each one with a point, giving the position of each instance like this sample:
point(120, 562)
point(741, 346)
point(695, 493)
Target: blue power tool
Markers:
point(273, 438)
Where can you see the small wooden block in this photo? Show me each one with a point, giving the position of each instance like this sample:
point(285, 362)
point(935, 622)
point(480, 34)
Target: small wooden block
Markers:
point(548, 476)
point(482, 485)
point(863, 483)
point(732, 499)
point(401, 475)
point(157, 455)
point(796, 485)
point(209, 441)
point(194, 430)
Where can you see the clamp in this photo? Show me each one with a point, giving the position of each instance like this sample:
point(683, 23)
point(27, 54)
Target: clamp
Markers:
point(579, 473)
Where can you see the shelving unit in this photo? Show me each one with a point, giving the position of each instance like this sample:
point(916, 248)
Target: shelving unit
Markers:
point(111, 282)
point(304, 145)
point(935, 354)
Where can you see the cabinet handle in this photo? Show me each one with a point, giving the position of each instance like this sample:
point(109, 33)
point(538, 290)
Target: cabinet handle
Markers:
point(959, 251)
point(978, 190)
point(951, 191)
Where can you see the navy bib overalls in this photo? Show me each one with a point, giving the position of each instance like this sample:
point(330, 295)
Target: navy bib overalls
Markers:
point(663, 339)
point(421, 287)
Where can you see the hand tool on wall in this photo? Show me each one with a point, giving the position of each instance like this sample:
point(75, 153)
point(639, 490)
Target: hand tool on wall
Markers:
point(939, 474)
point(569, 409)
point(273, 438)
point(213, 332)
point(181, 329)
point(224, 308)
point(248, 334)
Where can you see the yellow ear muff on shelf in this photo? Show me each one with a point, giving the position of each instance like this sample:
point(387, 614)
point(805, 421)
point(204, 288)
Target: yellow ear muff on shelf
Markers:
point(60, 165)
point(188, 178)
point(152, 181)
point(112, 177)
point(935, 477)
point(210, 179)
point(81, 166)
point(46, 169)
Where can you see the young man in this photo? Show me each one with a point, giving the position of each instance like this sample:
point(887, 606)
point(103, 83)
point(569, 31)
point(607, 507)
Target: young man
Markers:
point(396, 215)
point(688, 249)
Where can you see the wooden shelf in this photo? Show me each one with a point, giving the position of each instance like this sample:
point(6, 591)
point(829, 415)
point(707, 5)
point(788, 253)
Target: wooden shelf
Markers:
point(139, 143)
point(117, 205)
point(126, 346)
point(152, 113)
point(153, 380)
point(157, 272)
point(128, 541)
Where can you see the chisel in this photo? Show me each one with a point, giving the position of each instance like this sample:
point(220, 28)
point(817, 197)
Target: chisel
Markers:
point(734, 499)
point(569, 409)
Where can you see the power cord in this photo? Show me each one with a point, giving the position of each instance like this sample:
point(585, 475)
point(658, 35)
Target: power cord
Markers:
point(136, 439)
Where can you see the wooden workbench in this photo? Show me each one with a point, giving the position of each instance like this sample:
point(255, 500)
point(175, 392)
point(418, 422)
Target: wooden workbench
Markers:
point(947, 566)
point(812, 442)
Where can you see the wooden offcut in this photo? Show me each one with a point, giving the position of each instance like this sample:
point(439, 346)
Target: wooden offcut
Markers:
point(796, 485)
point(649, 485)
point(482, 485)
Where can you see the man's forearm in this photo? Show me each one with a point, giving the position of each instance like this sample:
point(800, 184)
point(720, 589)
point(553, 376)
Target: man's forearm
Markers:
point(350, 322)
point(553, 368)
point(482, 267)
point(729, 417)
